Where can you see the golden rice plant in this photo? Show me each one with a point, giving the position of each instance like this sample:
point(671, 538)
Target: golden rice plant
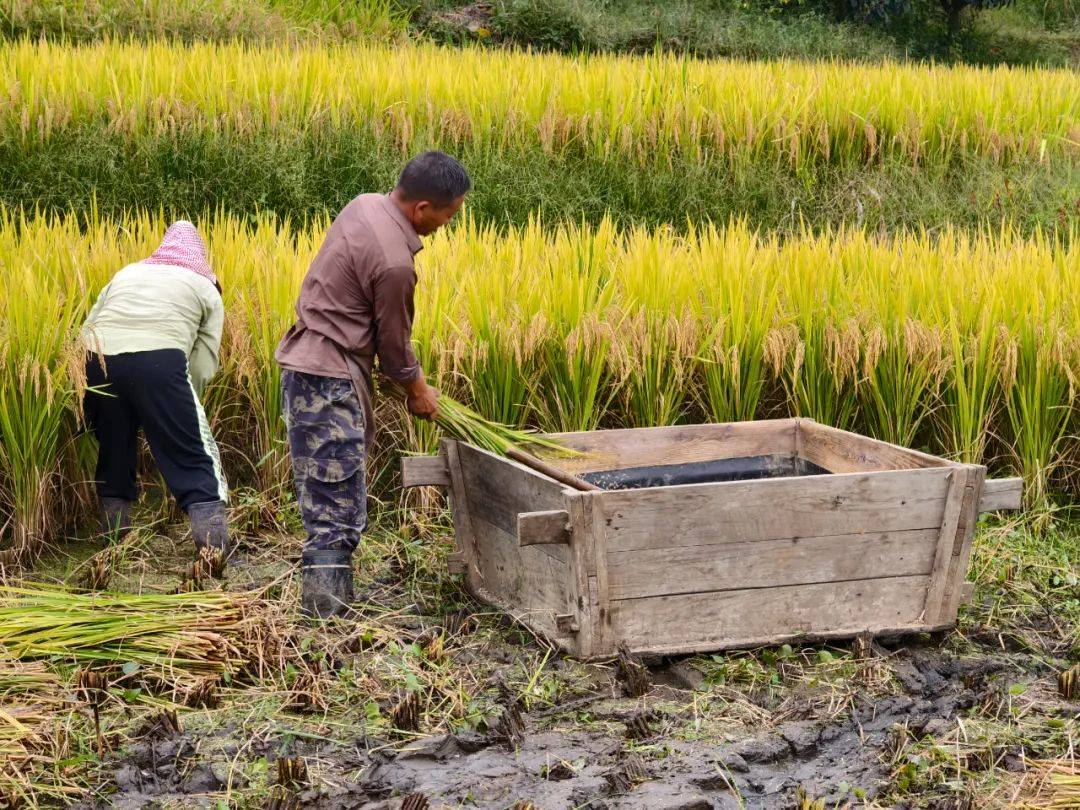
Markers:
point(960, 344)
point(739, 308)
point(642, 108)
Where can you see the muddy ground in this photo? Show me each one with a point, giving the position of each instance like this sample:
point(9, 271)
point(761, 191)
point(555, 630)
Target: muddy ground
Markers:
point(950, 721)
point(558, 761)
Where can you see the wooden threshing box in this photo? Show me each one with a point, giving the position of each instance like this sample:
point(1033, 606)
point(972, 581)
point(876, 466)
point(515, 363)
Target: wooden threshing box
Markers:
point(706, 537)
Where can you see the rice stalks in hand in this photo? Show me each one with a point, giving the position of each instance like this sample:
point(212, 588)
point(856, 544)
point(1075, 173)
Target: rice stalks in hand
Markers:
point(465, 424)
point(415, 801)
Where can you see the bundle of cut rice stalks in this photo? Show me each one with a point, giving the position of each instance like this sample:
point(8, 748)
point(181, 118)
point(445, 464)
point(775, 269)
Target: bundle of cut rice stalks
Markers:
point(1051, 784)
point(462, 422)
point(176, 636)
point(32, 704)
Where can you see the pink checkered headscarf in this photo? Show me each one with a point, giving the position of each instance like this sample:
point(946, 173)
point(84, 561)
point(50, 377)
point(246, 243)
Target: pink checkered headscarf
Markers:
point(183, 247)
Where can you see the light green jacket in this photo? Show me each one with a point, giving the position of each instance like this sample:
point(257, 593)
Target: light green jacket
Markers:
point(152, 306)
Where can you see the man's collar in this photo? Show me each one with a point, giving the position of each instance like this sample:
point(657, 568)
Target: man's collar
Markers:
point(411, 238)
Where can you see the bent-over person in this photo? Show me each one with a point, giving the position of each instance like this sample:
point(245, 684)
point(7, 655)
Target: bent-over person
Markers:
point(153, 338)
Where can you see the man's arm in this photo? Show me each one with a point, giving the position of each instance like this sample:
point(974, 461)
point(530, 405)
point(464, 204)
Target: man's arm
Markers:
point(393, 312)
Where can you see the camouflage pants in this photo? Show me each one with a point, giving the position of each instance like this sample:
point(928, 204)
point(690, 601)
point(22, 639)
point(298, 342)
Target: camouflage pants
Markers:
point(326, 440)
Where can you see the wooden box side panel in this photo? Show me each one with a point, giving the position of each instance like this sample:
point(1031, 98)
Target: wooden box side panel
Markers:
point(642, 447)
point(736, 564)
point(532, 583)
point(719, 620)
point(840, 451)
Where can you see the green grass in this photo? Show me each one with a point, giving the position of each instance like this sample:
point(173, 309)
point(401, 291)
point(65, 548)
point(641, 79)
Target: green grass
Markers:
point(1026, 32)
point(704, 27)
point(301, 175)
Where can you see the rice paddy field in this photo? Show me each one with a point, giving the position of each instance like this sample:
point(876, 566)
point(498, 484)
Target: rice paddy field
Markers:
point(655, 239)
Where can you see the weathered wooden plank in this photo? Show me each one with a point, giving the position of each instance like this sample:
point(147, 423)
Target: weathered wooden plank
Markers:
point(950, 522)
point(600, 580)
point(580, 565)
point(424, 471)
point(499, 489)
point(840, 451)
point(543, 528)
point(530, 585)
point(741, 511)
point(770, 563)
point(961, 553)
point(641, 447)
point(718, 619)
point(1001, 493)
point(464, 536)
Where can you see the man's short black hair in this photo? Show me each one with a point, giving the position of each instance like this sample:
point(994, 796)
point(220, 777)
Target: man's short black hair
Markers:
point(435, 177)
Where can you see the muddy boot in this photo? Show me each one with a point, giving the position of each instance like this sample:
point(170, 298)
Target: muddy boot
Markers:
point(209, 526)
point(115, 514)
point(325, 583)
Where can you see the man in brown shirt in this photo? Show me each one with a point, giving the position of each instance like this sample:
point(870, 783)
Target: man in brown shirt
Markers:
point(355, 305)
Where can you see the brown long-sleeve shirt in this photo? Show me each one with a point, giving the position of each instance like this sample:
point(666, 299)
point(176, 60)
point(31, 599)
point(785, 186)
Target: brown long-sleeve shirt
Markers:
point(356, 302)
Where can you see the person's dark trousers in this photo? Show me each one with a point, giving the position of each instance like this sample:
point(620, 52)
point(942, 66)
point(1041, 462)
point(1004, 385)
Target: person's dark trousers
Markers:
point(326, 440)
point(151, 390)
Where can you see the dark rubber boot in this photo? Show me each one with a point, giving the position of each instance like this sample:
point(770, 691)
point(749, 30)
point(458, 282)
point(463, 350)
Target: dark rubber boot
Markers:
point(115, 514)
point(209, 526)
point(326, 586)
